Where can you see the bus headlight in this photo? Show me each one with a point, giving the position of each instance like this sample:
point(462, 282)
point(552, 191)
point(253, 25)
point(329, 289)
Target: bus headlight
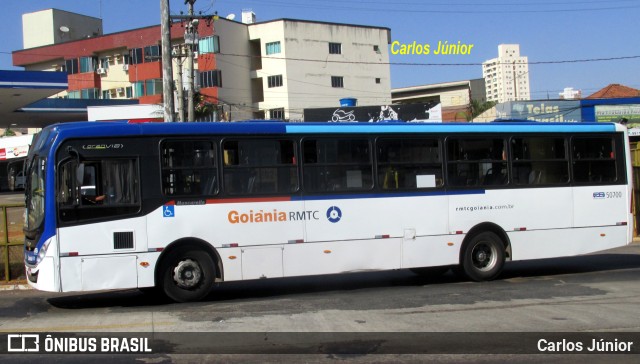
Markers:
point(43, 251)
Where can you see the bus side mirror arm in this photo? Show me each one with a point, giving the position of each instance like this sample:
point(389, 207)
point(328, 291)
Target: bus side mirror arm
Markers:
point(80, 171)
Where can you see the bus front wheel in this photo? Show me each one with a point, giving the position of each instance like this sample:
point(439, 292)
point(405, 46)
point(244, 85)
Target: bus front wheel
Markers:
point(188, 274)
point(483, 257)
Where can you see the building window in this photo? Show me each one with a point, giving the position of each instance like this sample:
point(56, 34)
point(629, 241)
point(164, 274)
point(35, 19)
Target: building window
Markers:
point(211, 78)
point(135, 56)
point(153, 87)
point(337, 81)
point(274, 81)
point(90, 93)
point(129, 92)
point(71, 66)
point(273, 48)
point(104, 63)
point(105, 95)
point(87, 64)
point(335, 48)
point(377, 79)
point(138, 88)
point(277, 114)
point(376, 49)
point(209, 44)
point(152, 53)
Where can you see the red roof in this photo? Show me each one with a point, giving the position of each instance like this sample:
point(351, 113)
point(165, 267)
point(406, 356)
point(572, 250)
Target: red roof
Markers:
point(615, 90)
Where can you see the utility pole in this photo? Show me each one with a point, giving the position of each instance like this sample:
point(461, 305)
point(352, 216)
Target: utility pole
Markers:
point(179, 56)
point(191, 22)
point(167, 66)
point(192, 29)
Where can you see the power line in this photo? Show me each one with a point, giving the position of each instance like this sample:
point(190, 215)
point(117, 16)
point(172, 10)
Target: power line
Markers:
point(433, 64)
point(465, 10)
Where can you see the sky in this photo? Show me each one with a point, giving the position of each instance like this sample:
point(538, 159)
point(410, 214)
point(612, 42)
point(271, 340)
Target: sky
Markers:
point(584, 44)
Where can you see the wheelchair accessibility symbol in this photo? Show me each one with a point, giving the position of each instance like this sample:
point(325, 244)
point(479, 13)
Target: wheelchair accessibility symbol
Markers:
point(168, 211)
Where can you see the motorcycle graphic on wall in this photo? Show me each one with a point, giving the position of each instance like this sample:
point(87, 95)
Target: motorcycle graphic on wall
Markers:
point(341, 115)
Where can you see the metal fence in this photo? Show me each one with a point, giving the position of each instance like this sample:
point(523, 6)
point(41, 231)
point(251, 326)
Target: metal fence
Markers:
point(13, 239)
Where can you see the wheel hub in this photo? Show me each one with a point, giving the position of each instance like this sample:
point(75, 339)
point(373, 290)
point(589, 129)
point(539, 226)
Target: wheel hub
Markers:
point(483, 257)
point(187, 274)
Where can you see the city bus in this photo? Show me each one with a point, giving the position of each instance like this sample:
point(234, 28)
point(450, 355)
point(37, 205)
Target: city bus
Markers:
point(183, 207)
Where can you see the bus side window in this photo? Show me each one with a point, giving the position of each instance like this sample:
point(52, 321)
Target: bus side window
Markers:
point(337, 165)
point(189, 168)
point(540, 161)
point(408, 163)
point(594, 160)
point(260, 166)
point(476, 161)
point(107, 187)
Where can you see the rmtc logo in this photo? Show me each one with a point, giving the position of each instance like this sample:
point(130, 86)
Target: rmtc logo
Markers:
point(598, 195)
point(334, 214)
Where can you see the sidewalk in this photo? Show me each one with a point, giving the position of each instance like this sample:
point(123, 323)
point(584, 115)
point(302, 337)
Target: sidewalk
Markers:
point(14, 285)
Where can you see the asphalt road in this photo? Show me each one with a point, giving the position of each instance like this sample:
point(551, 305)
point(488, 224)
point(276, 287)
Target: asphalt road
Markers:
point(594, 293)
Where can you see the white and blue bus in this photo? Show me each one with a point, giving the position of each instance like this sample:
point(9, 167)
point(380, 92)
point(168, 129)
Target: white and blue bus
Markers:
point(183, 207)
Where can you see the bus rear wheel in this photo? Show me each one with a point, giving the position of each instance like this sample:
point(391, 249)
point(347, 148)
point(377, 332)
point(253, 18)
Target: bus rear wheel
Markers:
point(483, 257)
point(187, 275)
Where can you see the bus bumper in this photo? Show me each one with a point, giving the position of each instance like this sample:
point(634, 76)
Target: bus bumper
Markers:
point(43, 276)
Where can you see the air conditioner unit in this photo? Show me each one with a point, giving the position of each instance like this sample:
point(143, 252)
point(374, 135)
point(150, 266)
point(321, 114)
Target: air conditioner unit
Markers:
point(125, 67)
point(120, 90)
point(101, 71)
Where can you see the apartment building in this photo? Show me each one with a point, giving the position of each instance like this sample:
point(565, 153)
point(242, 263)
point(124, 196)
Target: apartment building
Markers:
point(303, 64)
point(507, 76)
point(266, 70)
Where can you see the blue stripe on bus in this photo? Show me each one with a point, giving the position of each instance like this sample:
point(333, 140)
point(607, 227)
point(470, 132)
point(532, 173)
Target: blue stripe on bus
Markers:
point(103, 129)
point(449, 128)
point(386, 195)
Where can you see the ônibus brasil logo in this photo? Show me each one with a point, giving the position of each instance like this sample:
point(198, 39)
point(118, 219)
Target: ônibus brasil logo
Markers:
point(334, 214)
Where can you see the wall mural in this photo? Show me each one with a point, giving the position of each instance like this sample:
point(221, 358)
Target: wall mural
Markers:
point(427, 112)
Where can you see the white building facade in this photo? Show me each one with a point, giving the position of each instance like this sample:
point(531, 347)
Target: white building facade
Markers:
point(507, 77)
point(304, 64)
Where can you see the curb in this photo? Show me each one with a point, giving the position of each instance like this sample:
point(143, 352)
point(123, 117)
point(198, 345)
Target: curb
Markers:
point(13, 287)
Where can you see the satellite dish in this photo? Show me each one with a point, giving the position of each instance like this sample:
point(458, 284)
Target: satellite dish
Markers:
point(64, 29)
point(231, 16)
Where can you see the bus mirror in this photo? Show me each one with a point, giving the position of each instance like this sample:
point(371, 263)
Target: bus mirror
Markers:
point(80, 174)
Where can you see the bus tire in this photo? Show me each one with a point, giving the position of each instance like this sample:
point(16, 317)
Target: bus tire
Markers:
point(483, 257)
point(187, 274)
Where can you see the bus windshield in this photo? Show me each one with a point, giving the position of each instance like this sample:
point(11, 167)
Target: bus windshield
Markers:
point(35, 195)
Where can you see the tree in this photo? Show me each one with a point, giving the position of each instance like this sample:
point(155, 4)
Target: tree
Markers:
point(478, 107)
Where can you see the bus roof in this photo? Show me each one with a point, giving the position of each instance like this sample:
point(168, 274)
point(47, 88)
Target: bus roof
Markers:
point(73, 130)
